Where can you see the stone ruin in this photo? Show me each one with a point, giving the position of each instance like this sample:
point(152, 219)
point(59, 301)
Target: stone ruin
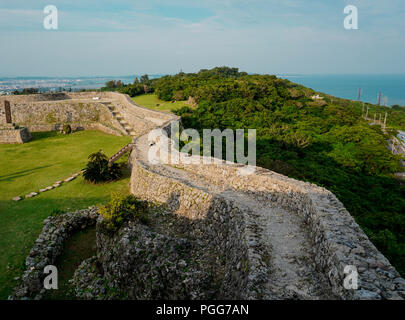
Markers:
point(9, 132)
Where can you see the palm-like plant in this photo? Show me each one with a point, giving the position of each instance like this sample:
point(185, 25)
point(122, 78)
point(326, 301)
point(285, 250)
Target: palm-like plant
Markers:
point(99, 170)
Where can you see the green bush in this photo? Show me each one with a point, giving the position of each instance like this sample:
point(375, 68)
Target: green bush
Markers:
point(99, 170)
point(120, 209)
point(67, 129)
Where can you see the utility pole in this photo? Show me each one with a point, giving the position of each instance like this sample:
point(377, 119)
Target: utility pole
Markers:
point(362, 110)
point(359, 95)
point(374, 119)
point(380, 119)
point(367, 113)
point(385, 121)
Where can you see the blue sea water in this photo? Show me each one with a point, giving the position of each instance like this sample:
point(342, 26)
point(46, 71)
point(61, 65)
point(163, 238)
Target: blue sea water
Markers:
point(392, 87)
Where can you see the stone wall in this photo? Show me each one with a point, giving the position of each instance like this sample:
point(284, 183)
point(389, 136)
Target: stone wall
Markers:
point(12, 135)
point(337, 240)
point(43, 116)
point(48, 247)
point(2, 113)
point(219, 220)
point(45, 112)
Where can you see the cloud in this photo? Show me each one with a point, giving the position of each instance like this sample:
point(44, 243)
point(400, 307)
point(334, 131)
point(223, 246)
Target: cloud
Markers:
point(264, 36)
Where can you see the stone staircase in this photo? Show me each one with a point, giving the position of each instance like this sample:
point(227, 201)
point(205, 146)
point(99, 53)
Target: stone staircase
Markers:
point(117, 115)
point(121, 152)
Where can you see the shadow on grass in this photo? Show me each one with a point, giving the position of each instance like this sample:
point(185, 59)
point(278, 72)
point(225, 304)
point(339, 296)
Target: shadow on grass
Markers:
point(43, 135)
point(10, 177)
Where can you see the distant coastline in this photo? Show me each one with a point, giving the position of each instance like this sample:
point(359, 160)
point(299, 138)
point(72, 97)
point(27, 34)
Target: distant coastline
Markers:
point(392, 87)
point(44, 84)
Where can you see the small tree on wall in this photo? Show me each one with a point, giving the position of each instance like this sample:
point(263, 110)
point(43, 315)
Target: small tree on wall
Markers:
point(99, 170)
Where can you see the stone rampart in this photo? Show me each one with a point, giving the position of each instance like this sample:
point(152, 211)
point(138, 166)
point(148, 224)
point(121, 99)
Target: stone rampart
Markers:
point(337, 240)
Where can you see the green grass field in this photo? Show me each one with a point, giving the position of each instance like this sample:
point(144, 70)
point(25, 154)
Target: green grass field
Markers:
point(151, 101)
point(25, 168)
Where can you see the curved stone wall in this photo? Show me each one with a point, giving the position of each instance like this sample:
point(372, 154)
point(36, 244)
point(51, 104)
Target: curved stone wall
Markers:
point(48, 247)
point(337, 240)
point(214, 194)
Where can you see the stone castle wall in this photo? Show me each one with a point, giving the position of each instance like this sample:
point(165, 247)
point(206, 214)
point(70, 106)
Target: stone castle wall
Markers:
point(337, 241)
point(2, 113)
point(14, 135)
point(47, 112)
point(336, 238)
point(46, 116)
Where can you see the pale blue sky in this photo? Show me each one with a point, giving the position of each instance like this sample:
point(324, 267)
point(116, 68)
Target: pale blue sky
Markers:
point(120, 37)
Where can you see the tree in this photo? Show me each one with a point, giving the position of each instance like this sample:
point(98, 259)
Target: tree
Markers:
point(99, 170)
point(145, 78)
point(111, 84)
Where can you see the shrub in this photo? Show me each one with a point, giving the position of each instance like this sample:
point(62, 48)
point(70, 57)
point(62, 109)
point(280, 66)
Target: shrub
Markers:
point(99, 170)
point(120, 209)
point(67, 129)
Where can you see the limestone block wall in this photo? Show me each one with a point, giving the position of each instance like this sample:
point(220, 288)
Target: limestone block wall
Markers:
point(214, 217)
point(40, 116)
point(337, 240)
point(141, 119)
point(2, 113)
point(43, 112)
point(14, 136)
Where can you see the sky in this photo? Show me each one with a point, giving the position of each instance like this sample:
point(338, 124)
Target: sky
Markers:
point(125, 37)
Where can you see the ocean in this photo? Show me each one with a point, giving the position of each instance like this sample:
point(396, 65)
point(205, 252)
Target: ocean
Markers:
point(392, 87)
point(55, 83)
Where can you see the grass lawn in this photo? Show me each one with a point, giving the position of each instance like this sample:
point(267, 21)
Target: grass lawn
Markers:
point(151, 101)
point(25, 168)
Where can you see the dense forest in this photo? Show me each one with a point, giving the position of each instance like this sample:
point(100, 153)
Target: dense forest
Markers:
point(324, 140)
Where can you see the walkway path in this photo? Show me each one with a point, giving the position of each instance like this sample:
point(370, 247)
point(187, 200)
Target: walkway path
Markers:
point(280, 235)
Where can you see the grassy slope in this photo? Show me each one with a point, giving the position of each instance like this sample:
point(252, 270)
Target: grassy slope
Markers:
point(151, 100)
point(25, 168)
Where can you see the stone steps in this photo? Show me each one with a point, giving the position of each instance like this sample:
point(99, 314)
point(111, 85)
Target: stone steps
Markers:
point(57, 184)
point(121, 152)
point(121, 120)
